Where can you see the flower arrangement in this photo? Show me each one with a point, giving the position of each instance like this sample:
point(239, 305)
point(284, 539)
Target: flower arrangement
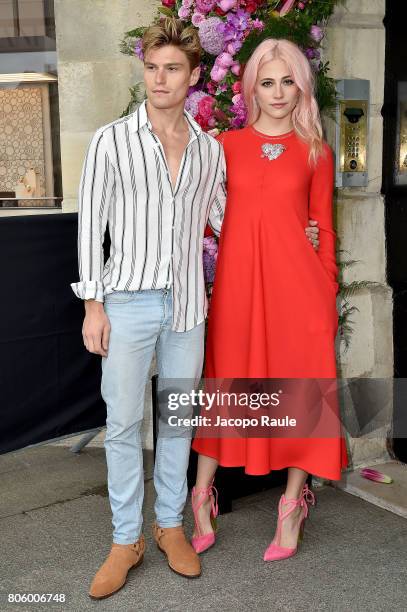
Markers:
point(229, 31)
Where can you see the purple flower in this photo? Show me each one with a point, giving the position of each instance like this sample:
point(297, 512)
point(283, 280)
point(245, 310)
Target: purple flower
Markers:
point(234, 28)
point(192, 102)
point(210, 254)
point(316, 33)
point(312, 53)
point(237, 22)
point(205, 6)
point(138, 48)
point(234, 47)
point(211, 38)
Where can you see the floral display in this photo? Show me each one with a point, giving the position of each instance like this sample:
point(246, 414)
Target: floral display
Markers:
point(229, 31)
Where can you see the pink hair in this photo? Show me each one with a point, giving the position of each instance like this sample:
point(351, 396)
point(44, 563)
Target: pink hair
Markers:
point(305, 116)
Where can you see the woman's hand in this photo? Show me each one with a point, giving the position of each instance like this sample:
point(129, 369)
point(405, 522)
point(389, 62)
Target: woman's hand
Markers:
point(313, 233)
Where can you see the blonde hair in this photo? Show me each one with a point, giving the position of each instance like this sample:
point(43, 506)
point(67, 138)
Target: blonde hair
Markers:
point(171, 31)
point(305, 116)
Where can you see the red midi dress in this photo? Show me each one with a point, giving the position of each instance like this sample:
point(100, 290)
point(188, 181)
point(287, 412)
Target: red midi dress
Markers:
point(273, 308)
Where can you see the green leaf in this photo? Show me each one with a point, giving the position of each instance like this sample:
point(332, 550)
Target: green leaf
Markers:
point(166, 11)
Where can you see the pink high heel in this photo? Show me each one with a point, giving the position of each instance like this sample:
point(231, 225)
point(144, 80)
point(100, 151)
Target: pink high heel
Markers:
point(202, 542)
point(275, 552)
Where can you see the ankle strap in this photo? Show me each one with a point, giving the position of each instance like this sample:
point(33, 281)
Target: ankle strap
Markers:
point(210, 492)
point(306, 496)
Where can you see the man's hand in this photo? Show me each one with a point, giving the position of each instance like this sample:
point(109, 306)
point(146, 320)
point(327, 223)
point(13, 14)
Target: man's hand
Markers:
point(313, 233)
point(96, 328)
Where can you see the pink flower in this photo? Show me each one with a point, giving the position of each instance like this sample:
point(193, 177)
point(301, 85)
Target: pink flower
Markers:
point(236, 69)
point(224, 60)
point(183, 13)
point(197, 18)
point(168, 3)
point(218, 73)
point(187, 3)
point(301, 6)
point(257, 24)
point(205, 107)
point(192, 102)
point(286, 8)
point(237, 87)
point(205, 6)
point(211, 87)
point(226, 5)
point(316, 33)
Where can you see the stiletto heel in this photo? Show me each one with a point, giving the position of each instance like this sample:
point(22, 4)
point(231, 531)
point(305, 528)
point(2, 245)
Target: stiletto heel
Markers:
point(202, 542)
point(275, 552)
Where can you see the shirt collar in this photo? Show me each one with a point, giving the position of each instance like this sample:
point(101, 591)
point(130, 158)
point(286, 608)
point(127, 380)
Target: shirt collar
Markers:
point(139, 119)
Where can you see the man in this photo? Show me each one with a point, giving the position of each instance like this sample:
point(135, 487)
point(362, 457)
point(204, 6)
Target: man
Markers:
point(156, 178)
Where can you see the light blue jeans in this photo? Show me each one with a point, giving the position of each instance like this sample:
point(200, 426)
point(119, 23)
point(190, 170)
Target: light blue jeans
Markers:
point(141, 323)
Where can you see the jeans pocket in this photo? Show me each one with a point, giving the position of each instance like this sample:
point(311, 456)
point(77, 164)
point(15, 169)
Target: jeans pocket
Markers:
point(119, 297)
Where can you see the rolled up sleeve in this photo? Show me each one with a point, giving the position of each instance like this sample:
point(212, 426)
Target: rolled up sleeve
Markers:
point(96, 189)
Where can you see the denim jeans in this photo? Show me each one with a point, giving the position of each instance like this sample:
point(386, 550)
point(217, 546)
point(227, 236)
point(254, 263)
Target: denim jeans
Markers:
point(141, 323)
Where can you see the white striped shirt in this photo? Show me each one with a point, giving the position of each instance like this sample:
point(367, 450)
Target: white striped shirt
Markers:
point(156, 231)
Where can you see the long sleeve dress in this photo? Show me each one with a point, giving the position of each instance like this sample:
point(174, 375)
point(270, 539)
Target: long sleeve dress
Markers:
point(273, 308)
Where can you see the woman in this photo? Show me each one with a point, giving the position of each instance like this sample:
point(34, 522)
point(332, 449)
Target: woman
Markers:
point(273, 310)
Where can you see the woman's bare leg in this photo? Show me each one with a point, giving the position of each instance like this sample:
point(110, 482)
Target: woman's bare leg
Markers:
point(206, 471)
point(291, 524)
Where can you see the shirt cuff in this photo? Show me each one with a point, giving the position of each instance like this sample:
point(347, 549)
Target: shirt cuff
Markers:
point(89, 290)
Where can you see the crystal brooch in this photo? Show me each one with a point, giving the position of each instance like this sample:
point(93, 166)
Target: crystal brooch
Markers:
point(272, 151)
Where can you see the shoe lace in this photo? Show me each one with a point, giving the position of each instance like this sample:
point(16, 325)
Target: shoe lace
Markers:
point(210, 492)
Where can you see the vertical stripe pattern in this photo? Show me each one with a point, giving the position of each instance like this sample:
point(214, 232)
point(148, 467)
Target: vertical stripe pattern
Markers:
point(156, 231)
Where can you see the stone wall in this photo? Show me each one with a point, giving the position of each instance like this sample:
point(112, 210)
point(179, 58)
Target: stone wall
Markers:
point(94, 77)
point(355, 48)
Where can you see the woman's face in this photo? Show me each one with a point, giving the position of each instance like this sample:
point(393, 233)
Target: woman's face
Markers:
point(275, 90)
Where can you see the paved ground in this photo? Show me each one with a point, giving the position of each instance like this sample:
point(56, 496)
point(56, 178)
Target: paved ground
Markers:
point(55, 531)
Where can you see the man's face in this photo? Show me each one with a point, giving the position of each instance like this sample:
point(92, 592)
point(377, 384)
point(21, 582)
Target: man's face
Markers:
point(168, 76)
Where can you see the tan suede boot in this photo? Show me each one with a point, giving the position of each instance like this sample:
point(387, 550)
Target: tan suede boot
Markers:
point(113, 573)
point(182, 558)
